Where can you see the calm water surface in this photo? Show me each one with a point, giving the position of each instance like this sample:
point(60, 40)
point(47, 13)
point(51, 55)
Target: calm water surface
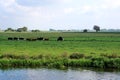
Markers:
point(54, 74)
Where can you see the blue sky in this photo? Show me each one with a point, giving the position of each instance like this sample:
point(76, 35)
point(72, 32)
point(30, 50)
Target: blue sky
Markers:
point(59, 14)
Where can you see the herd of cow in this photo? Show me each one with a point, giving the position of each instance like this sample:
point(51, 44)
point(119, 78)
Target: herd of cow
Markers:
point(34, 39)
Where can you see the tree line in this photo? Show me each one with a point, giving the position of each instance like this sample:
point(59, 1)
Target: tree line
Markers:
point(95, 27)
point(25, 29)
point(22, 29)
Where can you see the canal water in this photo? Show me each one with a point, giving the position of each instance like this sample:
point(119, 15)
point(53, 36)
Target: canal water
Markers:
point(55, 74)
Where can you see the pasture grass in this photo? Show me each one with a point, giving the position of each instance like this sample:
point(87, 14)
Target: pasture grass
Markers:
point(100, 50)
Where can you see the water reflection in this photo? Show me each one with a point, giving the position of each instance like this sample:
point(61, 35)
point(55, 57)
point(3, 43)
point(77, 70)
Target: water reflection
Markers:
point(54, 74)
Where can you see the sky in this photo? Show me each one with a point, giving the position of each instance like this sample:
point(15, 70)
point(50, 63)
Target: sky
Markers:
point(60, 14)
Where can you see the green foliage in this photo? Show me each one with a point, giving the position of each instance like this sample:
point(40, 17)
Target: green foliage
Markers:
point(85, 30)
point(76, 56)
point(98, 62)
point(9, 30)
point(96, 27)
point(13, 56)
point(35, 30)
point(79, 63)
point(24, 29)
point(113, 63)
point(114, 55)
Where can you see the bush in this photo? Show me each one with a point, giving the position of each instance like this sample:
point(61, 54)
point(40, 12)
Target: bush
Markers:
point(110, 55)
point(13, 56)
point(98, 62)
point(64, 55)
point(76, 56)
point(80, 63)
point(113, 63)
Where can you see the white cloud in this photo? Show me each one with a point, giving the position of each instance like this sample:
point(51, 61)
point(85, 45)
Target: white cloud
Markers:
point(68, 10)
point(66, 1)
point(7, 3)
point(86, 9)
point(112, 3)
point(37, 3)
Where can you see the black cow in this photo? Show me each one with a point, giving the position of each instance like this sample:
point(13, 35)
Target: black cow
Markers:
point(15, 38)
point(31, 39)
point(60, 38)
point(28, 39)
point(10, 38)
point(21, 38)
point(40, 39)
point(46, 39)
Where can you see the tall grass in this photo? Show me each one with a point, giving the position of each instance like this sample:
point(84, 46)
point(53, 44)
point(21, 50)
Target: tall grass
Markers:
point(61, 63)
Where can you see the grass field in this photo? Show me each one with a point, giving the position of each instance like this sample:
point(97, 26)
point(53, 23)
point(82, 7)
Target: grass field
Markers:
point(77, 49)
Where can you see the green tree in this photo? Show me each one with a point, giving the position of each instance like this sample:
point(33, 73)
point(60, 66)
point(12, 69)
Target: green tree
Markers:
point(19, 30)
point(9, 29)
point(24, 29)
point(35, 30)
point(97, 28)
point(85, 30)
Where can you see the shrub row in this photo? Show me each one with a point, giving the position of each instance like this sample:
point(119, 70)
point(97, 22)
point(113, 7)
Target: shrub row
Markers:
point(48, 56)
point(62, 63)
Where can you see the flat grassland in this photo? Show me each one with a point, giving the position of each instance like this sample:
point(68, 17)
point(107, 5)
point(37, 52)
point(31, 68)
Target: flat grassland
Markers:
point(77, 50)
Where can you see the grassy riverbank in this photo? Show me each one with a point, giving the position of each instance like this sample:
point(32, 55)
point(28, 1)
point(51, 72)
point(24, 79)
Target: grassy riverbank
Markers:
point(100, 50)
point(62, 63)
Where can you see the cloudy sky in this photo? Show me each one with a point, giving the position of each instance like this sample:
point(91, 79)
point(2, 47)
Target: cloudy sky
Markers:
point(59, 14)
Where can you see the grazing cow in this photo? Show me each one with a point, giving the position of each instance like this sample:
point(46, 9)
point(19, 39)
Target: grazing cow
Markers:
point(28, 39)
point(31, 39)
point(15, 38)
point(10, 38)
point(40, 39)
point(21, 38)
point(46, 39)
point(60, 38)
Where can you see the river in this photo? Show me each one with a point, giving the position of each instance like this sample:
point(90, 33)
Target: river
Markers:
point(55, 74)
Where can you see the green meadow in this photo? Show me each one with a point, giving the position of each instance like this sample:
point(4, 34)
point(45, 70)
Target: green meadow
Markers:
point(99, 50)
